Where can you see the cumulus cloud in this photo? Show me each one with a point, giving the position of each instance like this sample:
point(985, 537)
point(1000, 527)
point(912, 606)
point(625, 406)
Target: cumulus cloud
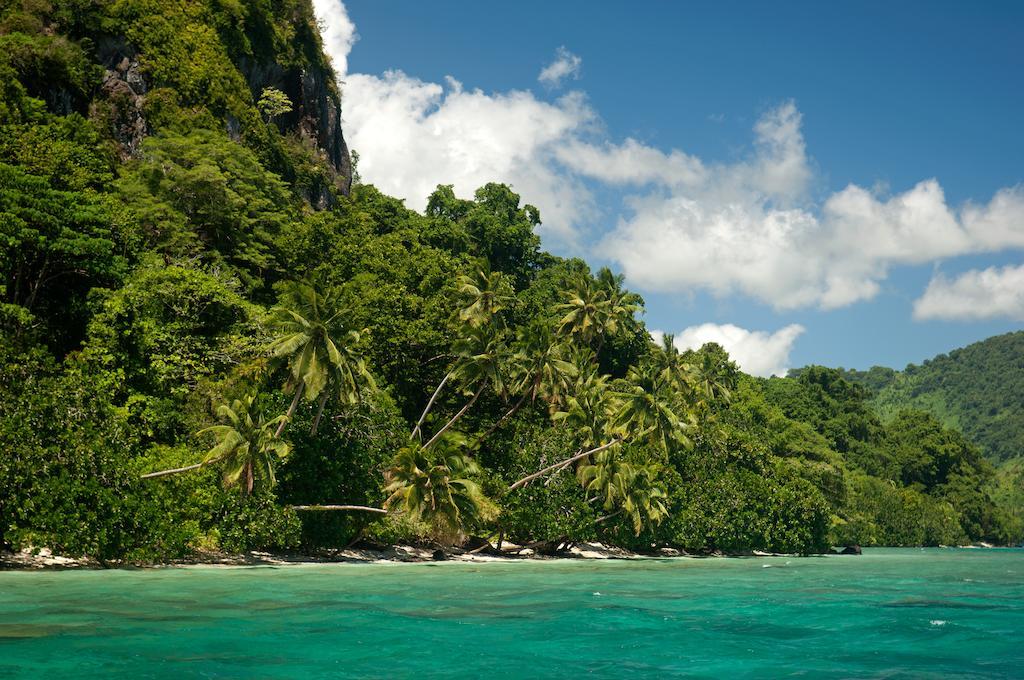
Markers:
point(337, 32)
point(749, 228)
point(565, 65)
point(413, 135)
point(753, 226)
point(974, 295)
point(757, 352)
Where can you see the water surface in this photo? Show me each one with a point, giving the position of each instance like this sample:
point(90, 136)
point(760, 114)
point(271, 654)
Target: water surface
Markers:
point(888, 613)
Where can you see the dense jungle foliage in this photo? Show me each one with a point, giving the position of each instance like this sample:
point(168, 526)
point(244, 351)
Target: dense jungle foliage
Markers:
point(201, 330)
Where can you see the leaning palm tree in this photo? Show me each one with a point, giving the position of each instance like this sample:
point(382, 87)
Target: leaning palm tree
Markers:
point(589, 414)
point(318, 349)
point(246, 445)
point(436, 486)
point(485, 293)
point(633, 488)
point(481, 361)
point(541, 369)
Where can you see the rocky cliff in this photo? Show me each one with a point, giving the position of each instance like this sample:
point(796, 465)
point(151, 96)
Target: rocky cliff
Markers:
point(138, 67)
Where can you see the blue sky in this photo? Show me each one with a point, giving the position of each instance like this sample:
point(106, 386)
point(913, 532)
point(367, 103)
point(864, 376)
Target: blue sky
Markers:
point(761, 174)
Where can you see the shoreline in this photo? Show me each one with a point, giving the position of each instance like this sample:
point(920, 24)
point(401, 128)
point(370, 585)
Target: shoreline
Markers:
point(34, 558)
point(43, 559)
point(29, 559)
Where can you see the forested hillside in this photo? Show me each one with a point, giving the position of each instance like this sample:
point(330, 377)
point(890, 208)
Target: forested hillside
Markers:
point(204, 325)
point(978, 389)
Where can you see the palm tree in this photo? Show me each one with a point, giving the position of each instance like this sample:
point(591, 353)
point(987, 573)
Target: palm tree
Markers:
point(585, 310)
point(708, 379)
point(318, 349)
point(671, 367)
point(632, 487)
point(246, 444)
point(485, 294)
point(622, 305)
point(646, 408)
point(589, 414)
point(481, 361)
point(541, 369)
point(436, 486)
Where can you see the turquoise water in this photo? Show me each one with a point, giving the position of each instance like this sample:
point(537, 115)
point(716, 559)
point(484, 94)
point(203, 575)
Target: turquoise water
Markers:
point(888, 613)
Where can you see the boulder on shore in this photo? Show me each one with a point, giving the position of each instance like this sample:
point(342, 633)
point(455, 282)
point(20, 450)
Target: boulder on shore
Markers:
point(851, 550)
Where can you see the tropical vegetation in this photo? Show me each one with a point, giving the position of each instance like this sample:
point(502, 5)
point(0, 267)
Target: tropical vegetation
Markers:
point(210, 341)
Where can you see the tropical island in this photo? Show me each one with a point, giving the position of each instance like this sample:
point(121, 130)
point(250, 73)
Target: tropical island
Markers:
point(215, 339)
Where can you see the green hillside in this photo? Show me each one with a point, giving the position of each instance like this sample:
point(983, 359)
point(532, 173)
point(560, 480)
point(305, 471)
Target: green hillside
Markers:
point(978, 389)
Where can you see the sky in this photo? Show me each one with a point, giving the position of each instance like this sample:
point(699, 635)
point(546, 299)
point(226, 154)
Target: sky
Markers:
point(802, 182)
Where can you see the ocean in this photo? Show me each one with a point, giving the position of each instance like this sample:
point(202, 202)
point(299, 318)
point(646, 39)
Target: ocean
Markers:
point(889, 613)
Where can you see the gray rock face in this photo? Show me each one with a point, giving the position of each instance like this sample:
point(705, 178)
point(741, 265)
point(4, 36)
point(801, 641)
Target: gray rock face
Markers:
point(316, 112)
point(316, 115)
point(124, 91)
point(122, 95)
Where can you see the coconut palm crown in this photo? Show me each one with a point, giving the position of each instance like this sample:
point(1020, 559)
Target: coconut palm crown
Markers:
point(246, 445)
point(311, 339)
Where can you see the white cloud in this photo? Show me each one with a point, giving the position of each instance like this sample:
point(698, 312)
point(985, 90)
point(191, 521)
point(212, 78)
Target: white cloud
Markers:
point(974, 295)
point(337, 32)
point(413, 135)
point(565, 65)
point(752, 226)
point(749, 228)
point(756, 352)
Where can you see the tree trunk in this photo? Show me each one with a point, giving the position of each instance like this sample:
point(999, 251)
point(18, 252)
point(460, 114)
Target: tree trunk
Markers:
point(599, 520)
point(358, 508)
point(319, 413)
point(291, 409)
point(250, 479)
point(561, 464)
point(508, 414)
point(458, 415)
point(164, 473)
point(433, 398)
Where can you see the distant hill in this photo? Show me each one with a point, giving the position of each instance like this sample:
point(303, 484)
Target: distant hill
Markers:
point(978, 389)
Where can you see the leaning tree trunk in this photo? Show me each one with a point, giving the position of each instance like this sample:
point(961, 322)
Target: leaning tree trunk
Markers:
point(356, 508)
point(291, 409)
point(319, 413)
point(561, 464)
point(508, 414)
point(164, 473)
point(458, 415)
point(430, 404)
